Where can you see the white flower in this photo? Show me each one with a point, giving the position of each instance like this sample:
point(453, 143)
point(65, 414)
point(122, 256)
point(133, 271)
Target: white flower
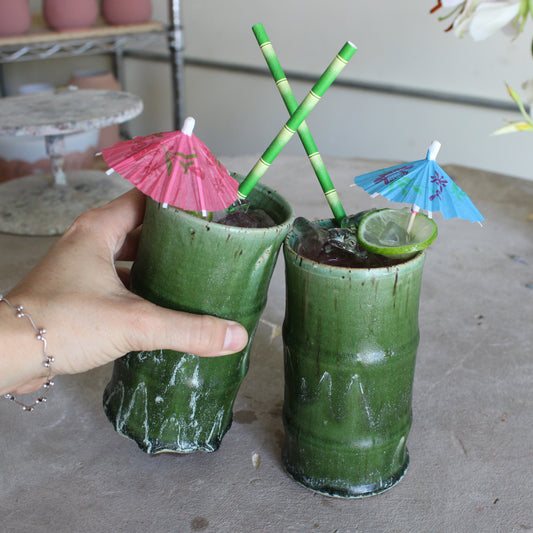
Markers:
point(491, 16)
point(451, 3)
point(483, 18)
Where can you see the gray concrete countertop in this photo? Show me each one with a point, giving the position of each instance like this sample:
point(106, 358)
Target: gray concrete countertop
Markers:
point(64, 469)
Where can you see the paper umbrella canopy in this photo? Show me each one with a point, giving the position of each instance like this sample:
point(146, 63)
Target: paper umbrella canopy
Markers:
point(424, 185)
point(174, 168)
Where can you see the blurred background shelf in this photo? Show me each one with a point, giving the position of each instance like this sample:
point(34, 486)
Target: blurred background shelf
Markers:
point(41, 43)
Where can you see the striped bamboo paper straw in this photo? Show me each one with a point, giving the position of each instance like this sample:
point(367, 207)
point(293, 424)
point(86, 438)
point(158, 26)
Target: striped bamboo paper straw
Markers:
point(290, 127)
point(303, 131)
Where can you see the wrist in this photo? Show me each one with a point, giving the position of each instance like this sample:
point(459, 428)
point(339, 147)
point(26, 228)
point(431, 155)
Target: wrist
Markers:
point(24, 360)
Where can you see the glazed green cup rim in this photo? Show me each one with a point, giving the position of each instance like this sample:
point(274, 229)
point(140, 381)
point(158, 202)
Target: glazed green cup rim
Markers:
point(310, 264)
point(259, 190)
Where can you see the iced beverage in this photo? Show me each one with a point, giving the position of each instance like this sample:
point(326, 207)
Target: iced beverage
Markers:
point(178, 402)
point(350, 339)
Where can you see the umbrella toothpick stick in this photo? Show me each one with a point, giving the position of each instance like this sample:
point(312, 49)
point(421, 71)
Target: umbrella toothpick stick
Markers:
point(414, 210)
point(433, 150)
point(299, 115)
point(187, 128)
point(303, 131)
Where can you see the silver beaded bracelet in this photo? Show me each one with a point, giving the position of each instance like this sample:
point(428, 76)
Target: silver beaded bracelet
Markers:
point(47, 359)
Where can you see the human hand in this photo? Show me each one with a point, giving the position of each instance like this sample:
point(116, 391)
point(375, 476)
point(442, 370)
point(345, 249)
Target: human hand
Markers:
point(79, 296)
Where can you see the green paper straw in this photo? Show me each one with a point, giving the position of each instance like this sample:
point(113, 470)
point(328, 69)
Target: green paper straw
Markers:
point(303, 131)
point(290, 127)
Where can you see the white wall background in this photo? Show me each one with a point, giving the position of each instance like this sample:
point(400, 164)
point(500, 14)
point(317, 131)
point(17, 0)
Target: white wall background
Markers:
point(399, 44)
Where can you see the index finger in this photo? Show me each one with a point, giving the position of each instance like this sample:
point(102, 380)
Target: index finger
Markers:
point(121, 216)
point(125, 212)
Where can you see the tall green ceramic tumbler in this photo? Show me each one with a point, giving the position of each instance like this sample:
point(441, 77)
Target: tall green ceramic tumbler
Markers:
point(177, 402)
point(350, 340)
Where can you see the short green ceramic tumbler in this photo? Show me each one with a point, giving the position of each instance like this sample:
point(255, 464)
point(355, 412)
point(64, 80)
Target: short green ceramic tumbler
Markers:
point(350, 339)
point(169, 401)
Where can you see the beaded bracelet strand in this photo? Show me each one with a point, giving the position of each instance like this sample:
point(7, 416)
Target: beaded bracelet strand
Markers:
point(47, 358)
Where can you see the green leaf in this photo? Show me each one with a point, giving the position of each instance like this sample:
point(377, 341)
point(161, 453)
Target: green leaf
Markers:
point(514, 95)
point(513, 127)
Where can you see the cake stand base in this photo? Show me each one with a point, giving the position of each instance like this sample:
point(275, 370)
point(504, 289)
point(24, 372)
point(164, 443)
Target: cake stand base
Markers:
point(33, 205)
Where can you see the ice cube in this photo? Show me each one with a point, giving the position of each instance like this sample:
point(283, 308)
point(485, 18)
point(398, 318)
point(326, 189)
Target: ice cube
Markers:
point(342, 238)
point(335, 246)
point(353, 221)
point(309, 238)
point(242, 215)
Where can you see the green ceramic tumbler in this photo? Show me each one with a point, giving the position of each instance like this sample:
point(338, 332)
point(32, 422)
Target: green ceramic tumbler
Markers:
point(350, 340)
point(168, 401)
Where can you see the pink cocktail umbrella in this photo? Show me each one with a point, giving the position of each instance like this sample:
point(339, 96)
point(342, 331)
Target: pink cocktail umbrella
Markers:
point(174, 168)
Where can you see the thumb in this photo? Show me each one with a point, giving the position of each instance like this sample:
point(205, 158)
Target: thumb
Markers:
point(202, 335)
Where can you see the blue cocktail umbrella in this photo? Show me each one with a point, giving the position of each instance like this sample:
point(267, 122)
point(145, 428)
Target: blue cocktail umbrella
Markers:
point(424, 185)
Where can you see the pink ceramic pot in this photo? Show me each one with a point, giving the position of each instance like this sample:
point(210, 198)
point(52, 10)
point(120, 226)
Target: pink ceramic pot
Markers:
point(118, 12)
point(15, 18)
point(103, 80)
point(70, 14)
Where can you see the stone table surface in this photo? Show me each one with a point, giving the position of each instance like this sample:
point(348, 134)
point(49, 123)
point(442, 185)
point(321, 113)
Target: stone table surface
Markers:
point(64, 469)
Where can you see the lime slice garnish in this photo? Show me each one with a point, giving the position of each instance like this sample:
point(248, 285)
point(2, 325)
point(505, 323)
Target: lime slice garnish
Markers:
point(384, 232)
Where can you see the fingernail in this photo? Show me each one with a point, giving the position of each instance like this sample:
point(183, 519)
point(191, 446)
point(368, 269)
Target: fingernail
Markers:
point(236, 338)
